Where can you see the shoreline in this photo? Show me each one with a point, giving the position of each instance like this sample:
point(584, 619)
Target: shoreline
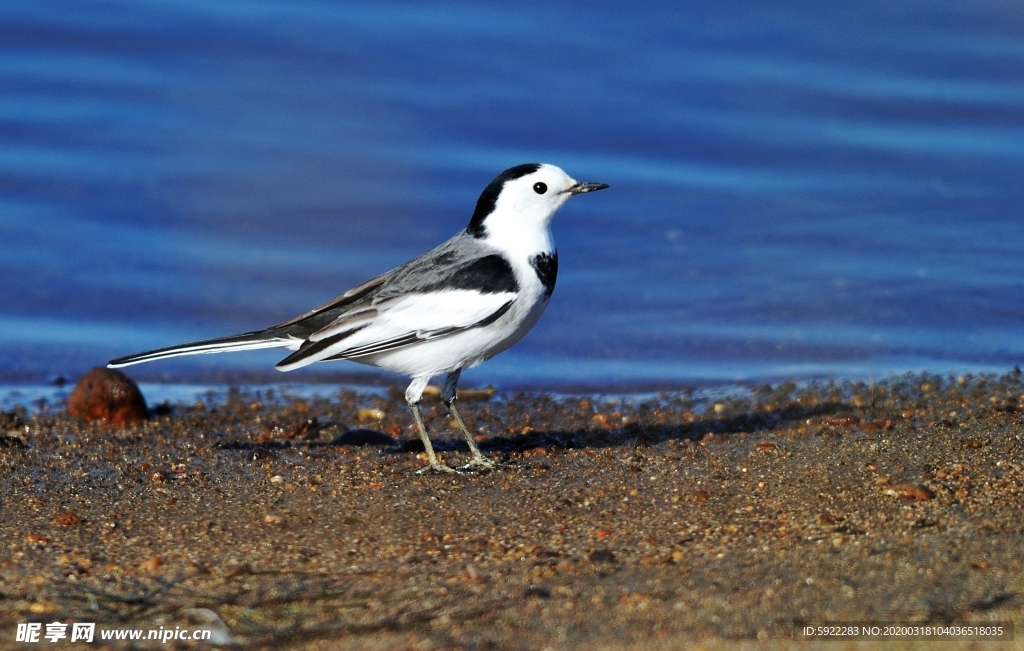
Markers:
point(367, 377)
point(619, 524)
point(175, 389)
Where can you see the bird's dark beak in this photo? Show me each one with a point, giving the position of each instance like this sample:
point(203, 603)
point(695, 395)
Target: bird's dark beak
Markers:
point(582, 187)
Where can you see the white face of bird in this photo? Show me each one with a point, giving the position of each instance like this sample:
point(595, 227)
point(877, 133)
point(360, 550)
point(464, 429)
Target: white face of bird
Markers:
point(536, 197)
point(528, 198)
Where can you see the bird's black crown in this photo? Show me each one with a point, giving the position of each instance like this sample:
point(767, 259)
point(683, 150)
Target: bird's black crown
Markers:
point(489, 197)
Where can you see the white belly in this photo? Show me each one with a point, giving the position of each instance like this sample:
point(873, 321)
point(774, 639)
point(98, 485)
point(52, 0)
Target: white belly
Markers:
point(463, 349)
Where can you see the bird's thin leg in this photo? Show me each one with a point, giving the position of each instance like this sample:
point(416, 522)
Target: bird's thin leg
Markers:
point(435, 465)
point(448, 396)
point(412, 397)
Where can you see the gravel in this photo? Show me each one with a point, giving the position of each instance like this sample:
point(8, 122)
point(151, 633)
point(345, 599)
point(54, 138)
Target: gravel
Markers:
point(655, 523)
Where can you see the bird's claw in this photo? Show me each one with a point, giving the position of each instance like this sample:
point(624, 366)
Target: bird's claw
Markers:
point(438, 469)
point(483, 464)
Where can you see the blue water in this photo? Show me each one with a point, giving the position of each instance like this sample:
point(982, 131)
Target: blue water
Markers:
point(797, 188)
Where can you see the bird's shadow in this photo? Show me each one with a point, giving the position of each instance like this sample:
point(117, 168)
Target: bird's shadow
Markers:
point(632, 434)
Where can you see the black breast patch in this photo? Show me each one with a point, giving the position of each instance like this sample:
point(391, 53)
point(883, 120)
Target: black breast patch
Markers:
point(490, 274)
point(546, 266)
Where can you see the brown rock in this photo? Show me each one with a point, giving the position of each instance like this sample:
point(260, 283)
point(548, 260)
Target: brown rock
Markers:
point(67, 519)
point(700, 496)
point(843, 419)
point(106, 394)
point(41, 607)
point(152, 565)
point(910, 492)
point(876, 425)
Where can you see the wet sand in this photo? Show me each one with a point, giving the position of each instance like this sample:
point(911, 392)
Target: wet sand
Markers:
point(667, 523)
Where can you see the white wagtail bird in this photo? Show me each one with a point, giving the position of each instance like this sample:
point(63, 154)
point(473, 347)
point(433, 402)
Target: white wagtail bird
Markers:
point(449, 309)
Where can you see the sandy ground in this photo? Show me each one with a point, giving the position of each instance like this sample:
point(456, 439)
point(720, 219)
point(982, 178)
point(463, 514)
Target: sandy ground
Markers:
point(667, 523)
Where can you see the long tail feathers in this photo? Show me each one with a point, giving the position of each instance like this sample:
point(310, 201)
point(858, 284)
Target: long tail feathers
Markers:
point(247, 341)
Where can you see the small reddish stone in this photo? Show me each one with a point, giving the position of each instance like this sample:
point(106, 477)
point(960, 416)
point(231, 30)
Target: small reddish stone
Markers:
point(106, 394)
point(152, 565)
point(67, 519)
point(910, 492)
point(876, 425)
point(843, 419)
point(700, 496)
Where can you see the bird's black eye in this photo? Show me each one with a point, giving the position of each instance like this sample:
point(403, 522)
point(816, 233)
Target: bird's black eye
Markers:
point(540, 188)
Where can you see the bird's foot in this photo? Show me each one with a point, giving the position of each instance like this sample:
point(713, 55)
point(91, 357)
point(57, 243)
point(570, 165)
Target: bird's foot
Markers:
point(483, 464)
point(437, 468)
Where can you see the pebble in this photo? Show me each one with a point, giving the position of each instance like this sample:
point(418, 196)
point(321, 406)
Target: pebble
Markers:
point(700, 496)
point(67, 519)
point(108, 395)
point(910, 492)
point(877, 425)
point(41, 607)
point(843, 419)
point(152, 564)
point(368, 415)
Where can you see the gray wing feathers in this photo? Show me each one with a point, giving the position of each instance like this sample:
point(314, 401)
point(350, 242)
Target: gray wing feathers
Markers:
point(338, 305)
point(428, 270)
point(342, 316)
